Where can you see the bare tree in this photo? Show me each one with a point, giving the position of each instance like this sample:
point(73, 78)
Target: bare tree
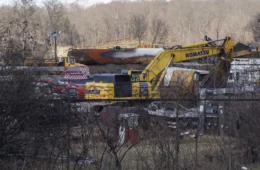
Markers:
point(20, 35)
point(139, 26)
point(254, 26)
point(59, 21)
point(159, 30)
point(56, 14)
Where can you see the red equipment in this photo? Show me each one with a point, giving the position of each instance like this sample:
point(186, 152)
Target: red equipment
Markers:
point(59, 85)
point(128, 129)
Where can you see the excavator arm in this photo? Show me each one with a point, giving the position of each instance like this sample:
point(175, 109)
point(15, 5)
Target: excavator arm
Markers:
point(185, 53)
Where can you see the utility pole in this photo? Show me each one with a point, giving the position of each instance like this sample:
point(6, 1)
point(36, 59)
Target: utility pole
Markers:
point(55, 35)
point(55, 49)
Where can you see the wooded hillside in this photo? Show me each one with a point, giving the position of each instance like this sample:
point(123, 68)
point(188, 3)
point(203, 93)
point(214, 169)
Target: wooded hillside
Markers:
point(174, 22)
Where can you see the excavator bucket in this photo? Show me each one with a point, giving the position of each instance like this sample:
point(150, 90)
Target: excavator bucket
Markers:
point(242, 51)
point(217, 78)
point(240, 46)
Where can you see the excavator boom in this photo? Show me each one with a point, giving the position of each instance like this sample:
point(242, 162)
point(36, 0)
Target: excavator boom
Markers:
point(185, 53)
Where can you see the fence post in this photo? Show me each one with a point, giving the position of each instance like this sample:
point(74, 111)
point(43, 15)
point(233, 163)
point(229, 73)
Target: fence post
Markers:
point(221, 118)
point(202, 101)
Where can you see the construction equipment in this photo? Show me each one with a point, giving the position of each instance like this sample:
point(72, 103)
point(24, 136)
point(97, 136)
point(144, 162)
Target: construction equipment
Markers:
point(74, 72)
point(62, 88)
point(128, 129)
point(63, 61)
point(144, 84)
point(244, 51)
point(183, 82)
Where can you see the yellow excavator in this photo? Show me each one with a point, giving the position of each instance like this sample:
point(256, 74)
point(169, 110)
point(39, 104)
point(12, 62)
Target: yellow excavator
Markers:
point(144, 84)
point(62, 61)
point(64, 65)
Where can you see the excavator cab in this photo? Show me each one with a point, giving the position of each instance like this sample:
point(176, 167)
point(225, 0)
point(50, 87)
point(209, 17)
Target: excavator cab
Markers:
point(134, 74)
point(66, 61)
point(62, 61)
